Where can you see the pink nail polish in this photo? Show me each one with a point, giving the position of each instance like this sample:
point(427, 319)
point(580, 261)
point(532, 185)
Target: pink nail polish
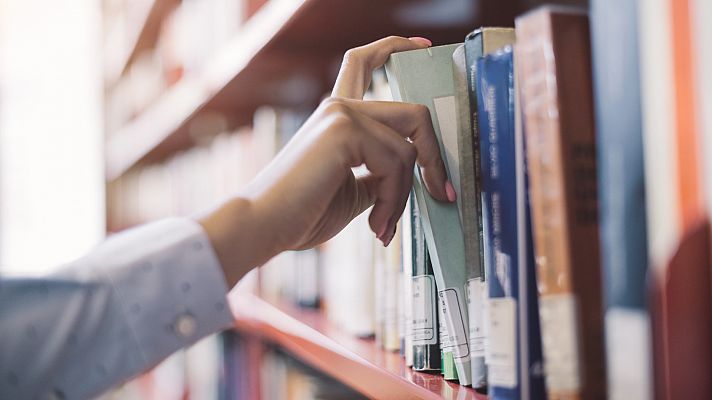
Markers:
point(390, 236)
point(381, 232)
point(388, 241)
point(421, 40)
point(450, 191)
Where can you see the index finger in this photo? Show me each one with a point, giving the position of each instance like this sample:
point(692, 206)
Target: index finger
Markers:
point(411, 121)
point(360, 62)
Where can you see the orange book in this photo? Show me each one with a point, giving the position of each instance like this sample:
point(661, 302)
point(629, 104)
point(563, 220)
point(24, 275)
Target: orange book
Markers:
point(553, 57)
point(679, 231)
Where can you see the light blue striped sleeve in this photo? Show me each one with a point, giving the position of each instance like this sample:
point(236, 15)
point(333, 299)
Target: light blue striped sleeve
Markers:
point(121, 309)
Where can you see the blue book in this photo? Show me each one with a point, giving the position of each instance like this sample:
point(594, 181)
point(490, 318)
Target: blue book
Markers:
point(514, 353)
point(621, 193)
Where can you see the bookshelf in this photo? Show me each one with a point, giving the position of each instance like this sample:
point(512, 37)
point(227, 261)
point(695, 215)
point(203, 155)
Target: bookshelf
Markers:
point(287, 54)
point(143, 35)
point(359, 363)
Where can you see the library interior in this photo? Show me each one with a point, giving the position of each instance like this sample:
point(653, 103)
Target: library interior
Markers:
point(352, 199)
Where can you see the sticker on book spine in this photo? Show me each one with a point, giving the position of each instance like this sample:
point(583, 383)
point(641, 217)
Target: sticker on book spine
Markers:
point(485, 316)
point(502, 349)
point(559, 334)
point(629, 364)
point(423, 329)
point(452, 303)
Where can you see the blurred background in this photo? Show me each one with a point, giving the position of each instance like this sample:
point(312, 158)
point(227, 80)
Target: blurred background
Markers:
point(118, 112)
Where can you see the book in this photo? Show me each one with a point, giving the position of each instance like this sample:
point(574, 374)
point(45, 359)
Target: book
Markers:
point(425, 77)
point(467, 190)
point(447, 363)
point(307, 278)
point(406, 277)
point(621, 193)
point(349, 281)
point(387, 261)
point(425, 321)
point(554, 64)
point(702, 14)
point(514, 345)
point(480, 42)
point(678, 221)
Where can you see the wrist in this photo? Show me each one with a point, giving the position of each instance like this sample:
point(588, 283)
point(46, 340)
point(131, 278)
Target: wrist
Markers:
point(240, 235)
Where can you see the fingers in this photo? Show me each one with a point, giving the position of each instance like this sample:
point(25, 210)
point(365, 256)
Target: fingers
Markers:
point(389, 158)
point(360, 62)
point(411, 121)
point(391, 194)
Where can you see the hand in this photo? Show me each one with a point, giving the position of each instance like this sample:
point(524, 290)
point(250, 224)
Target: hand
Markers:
point(309, 192)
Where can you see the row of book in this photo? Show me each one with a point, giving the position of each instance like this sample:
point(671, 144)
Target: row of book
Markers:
point(576, 262)
point(254, 370)
point(197, 179)
point(187, 33)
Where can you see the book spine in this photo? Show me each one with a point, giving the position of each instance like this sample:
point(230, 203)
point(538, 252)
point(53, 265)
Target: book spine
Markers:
point(476, 283)
point(392, 282)
point(678, 224)
point(702, 14)
point(473, 51)
point(614, 31)
point(471, 218)
point(425, 321)
point(308, 278)
point(447, 360)
point(554, 62)
point(531, 362)
point(499, 205)
point(379, 300)
point(407, 284)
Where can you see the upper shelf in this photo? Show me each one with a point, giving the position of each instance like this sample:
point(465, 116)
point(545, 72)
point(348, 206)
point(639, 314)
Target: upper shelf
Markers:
point(143, 37)
point(287, 54)
point(358, 363)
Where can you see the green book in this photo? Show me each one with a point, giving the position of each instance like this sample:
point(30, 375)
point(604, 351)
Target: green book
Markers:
point(426, 77)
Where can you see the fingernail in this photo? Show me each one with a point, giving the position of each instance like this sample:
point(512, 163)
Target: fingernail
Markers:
point(393, 234)
point(450, 191)
point(381, 232)
point(390, 237)
point(421, 40)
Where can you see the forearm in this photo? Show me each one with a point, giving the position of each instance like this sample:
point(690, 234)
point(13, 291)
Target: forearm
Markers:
point(241, 235)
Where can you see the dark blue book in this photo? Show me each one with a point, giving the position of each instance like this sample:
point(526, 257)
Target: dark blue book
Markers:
point(514, 343)
point(478, 43)
point(621, 188)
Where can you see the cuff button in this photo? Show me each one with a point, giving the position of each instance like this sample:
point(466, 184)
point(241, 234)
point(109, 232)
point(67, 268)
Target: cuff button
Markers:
point(185, 325)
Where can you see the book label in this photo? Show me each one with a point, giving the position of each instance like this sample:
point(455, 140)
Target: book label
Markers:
point(485, 317)
point(628, 341)
point(559, 337)
point(476, 294)
point(423, 322)
point(502, 349)
point(451, 303)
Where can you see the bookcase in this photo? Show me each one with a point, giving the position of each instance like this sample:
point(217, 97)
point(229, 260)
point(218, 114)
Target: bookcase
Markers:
point(283, 53)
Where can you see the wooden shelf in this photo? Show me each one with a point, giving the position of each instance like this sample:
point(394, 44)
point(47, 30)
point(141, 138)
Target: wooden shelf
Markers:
point(358, 363)
point(287, 54)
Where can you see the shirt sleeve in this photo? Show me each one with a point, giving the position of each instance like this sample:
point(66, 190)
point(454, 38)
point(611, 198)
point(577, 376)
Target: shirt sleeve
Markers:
point(130, 303)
